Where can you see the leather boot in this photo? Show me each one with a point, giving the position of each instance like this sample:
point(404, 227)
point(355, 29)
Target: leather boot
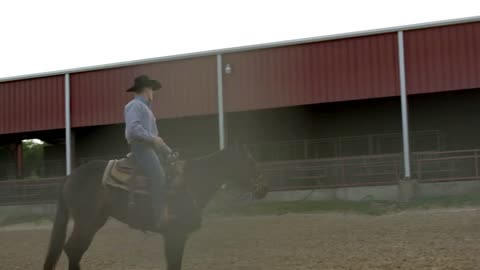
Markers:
point(160, 218)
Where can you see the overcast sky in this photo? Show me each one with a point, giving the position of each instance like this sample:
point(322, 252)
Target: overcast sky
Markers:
point(40, 36)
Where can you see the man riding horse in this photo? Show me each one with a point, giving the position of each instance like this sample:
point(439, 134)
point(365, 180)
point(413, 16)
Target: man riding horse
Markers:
point(201, 178)
point(141, 134)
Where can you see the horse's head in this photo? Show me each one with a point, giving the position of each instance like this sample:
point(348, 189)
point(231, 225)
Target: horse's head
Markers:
point(232, 167)
point(243, 173)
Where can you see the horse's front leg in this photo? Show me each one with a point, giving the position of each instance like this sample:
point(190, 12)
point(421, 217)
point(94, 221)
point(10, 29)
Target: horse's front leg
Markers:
point(174, 247)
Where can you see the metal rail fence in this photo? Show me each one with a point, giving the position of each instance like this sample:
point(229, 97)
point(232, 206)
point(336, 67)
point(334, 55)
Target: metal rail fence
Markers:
point(366, 170)
point(18, 192)
point(427, 167)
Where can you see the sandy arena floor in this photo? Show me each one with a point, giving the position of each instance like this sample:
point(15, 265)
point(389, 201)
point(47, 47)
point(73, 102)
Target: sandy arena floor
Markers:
point(433, 239)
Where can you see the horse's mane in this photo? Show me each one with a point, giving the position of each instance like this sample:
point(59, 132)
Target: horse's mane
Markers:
point(207, 156)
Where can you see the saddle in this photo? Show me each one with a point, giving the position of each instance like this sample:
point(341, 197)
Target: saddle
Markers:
point(125, 174)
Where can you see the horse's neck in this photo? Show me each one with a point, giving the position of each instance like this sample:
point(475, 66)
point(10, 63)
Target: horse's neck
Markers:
point(205, 176)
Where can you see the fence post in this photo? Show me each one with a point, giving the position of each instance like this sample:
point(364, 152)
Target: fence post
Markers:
point(419, 169)
point(475, 154)
point(397, 169)
point(305, 149)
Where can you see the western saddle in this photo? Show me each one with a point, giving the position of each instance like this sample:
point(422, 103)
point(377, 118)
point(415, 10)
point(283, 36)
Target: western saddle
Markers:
point(125, 174)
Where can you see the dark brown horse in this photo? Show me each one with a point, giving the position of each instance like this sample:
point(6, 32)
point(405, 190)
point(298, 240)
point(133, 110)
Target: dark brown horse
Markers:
point(89, 203)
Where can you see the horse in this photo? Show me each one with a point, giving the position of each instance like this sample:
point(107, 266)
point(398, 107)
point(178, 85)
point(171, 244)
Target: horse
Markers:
point(90, 203)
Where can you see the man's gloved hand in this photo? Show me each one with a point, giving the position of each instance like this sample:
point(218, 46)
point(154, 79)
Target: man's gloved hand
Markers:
point(173, 156)
point(165, 150)
point(158, 142)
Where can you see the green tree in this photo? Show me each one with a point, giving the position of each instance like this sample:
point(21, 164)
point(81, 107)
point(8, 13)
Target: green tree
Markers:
point(32, 157)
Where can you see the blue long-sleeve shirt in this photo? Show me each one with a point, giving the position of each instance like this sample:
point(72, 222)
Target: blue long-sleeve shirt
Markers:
point(140, 122)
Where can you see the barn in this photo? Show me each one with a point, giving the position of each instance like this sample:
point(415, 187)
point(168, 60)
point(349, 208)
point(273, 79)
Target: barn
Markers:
point(356, 109)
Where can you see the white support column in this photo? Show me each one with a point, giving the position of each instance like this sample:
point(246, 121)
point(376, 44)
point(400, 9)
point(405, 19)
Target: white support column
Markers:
point(221, 122)
point(68, 135)
point(403, 95)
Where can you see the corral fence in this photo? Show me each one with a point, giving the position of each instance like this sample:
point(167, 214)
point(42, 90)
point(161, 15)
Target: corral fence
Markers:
point(427, 167)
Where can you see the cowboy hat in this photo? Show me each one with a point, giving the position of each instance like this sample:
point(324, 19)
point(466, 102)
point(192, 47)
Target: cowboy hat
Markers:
point(143, 81)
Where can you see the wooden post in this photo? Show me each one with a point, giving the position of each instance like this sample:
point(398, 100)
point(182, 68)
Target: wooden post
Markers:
point(19, 159)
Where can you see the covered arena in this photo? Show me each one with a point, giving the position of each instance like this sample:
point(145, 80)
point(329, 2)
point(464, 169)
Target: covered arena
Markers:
point(324, 112)
point(331, 121)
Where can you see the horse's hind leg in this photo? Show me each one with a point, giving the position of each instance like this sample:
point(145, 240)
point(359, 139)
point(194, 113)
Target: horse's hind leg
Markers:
point(77, 244)
point(174, 248)
point(79, 241)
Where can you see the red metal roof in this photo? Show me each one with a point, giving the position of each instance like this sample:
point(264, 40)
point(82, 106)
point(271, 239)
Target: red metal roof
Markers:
point(339, 70)
point(443, 58)
point(32, 105)
point(188, 88)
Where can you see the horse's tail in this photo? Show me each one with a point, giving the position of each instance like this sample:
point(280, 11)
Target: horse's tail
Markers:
point(59, 232)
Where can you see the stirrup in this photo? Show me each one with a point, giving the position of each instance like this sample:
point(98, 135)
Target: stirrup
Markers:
point(161, 221)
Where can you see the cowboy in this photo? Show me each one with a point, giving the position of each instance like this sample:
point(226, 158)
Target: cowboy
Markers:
point(141, 134)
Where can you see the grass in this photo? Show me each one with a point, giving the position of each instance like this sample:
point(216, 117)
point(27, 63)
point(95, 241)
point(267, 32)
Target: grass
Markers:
point(472, 199)
point(339, 206)
point(373, 208)
point(36, 219)
point(279, 208)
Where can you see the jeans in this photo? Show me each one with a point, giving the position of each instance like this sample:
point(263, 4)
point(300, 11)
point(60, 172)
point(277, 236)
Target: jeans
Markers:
point(149, 163)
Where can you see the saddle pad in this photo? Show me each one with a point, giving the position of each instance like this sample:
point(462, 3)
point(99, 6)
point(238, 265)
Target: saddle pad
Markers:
point(115, 178)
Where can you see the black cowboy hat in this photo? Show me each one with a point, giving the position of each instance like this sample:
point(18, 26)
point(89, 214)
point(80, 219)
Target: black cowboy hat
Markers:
point(143, 81)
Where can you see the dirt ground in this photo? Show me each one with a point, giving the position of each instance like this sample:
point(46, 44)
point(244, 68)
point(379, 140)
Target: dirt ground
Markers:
point(433, 239)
